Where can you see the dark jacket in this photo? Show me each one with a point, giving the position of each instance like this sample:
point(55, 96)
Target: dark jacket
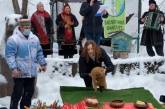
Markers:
point(151, 37)
point(85, 68)
point(60, 27)
point(91, 22)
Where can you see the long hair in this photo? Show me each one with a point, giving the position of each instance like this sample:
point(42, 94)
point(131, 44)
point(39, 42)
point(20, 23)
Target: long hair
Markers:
point(66, 4)
point(97, 50)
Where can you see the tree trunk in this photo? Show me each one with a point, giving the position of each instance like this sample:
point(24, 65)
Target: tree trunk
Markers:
point(24, 7)
point(16, 7)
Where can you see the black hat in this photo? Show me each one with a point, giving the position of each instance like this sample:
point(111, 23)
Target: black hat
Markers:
point(152, 2)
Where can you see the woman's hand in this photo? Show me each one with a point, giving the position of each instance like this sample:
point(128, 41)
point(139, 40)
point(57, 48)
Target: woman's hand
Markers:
point(161, 19)
point(70, 23)
point(104, 12)
point(66, 26)
point(143, 20)
point(92, 2)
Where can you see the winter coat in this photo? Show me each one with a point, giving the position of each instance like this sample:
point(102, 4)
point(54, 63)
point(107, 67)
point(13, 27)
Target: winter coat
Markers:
point(42, 26)
point(91, 23)
point(151, 37)
point(86, 67)
point(61, 28)
point(24, 54)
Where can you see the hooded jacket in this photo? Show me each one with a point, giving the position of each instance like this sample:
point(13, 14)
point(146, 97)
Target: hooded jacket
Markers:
point(24, 53)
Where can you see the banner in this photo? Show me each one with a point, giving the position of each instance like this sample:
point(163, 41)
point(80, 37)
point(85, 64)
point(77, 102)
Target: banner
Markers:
point(116, 19)
point(123, 16)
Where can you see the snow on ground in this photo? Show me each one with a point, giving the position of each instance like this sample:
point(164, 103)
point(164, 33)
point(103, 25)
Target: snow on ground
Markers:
point(49, 83)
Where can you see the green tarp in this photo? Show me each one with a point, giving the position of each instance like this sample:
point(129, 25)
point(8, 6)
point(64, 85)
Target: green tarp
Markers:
point(76, 94)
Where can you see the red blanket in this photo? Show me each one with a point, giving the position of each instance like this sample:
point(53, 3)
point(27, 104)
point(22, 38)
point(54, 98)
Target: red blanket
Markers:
point(79, 105)
point(126, 106)
point(106, 105)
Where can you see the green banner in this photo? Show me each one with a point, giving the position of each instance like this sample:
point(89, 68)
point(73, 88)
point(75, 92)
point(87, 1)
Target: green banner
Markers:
point(116, 19)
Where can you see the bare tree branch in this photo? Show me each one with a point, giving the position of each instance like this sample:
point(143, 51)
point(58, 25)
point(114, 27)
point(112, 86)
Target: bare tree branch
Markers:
point(16, 7)
point(24, 7)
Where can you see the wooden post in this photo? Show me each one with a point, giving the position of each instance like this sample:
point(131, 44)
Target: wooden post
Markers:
point(6, 72)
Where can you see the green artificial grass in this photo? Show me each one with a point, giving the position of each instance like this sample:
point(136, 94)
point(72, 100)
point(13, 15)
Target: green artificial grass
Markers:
point(76, 94)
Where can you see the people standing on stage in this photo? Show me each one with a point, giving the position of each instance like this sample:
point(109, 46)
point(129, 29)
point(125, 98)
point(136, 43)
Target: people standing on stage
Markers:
point(23, 53)
point(152, 37)
point(93, 56)
point(66, 22)
point(42, 26)
point(92, 23)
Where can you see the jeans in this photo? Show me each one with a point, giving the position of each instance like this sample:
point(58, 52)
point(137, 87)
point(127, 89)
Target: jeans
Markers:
point(95, 37)
point(23, 91)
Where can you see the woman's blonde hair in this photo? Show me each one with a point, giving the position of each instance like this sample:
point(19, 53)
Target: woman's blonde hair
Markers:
point(96, 49)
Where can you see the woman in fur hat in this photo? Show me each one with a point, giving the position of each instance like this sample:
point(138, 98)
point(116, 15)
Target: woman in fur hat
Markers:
point(66, 22)
point(152, 37)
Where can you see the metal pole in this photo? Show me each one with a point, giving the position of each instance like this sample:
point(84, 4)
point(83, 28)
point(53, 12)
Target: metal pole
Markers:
point(139, 15)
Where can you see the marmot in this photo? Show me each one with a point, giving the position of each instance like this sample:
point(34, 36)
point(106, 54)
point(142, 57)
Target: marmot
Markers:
point(98, 78)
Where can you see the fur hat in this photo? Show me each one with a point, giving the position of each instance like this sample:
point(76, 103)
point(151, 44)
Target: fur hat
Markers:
point(24, 22)
point(152, 2)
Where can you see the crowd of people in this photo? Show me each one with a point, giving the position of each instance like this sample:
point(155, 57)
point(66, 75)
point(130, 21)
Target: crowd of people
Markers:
point(31, 42)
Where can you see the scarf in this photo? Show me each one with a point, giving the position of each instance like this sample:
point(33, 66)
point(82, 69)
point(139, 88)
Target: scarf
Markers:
point(68, 32)
point(38, 20)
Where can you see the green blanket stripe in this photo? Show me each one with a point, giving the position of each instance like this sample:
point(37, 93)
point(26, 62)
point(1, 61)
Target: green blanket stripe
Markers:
point(76, 94)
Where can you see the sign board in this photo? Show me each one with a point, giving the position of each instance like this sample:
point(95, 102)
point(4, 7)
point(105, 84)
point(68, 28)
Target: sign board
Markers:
point(116, 19)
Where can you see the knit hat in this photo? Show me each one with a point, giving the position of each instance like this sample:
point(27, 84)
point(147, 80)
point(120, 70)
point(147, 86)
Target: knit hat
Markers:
point(24, 22)
point(152, 2)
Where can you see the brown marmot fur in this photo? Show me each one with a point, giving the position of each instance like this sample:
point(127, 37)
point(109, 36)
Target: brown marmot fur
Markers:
point(98, 78)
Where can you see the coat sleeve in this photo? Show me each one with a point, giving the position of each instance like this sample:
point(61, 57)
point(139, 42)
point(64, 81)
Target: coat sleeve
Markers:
point(60, 28)
point(59, 21)
point(82, 68)
point(10, 53)
point(107, 61)
point(143, 16)
point(85, 9)
point(75, 21)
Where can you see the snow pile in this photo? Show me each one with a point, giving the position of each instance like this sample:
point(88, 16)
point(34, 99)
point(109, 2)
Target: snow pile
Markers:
point(2, 79)
point(10, 21)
